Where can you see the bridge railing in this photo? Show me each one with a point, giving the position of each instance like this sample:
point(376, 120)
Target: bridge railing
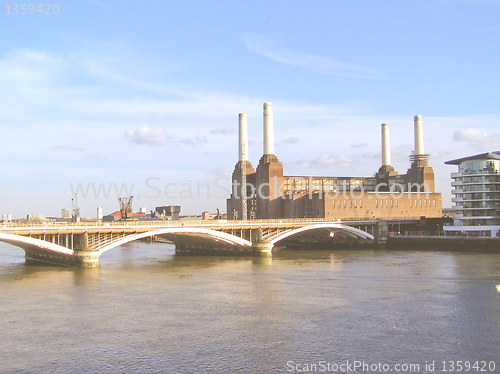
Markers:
point(38, 224)
point(160, 223)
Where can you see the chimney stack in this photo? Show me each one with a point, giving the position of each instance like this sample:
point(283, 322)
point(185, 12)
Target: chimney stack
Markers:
point(419, 135)
point(268, 129)
point(243, 138)
point(386, 147)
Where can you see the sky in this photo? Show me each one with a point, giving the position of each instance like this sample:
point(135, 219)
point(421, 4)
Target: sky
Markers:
point(112, 98)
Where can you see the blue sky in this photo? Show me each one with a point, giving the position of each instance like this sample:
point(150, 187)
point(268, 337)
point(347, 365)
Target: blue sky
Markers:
point(149, 94)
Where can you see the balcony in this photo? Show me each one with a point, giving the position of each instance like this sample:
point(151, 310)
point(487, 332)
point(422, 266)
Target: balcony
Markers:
point(464, 200)
point(474, 174)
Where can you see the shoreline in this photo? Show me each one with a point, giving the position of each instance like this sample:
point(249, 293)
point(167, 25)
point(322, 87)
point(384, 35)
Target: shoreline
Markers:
point(444, 242)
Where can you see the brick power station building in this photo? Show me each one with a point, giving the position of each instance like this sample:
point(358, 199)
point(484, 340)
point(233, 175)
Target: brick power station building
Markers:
point(388, 195)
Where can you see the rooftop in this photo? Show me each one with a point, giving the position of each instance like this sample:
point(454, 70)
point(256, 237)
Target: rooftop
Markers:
point(482, 156)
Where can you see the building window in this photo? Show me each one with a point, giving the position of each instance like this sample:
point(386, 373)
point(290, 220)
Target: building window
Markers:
point(411, 203)
point(360, 203)
point(355, 203)
point(350, 203)
point(425, 203)
point(333, 203)
point(434, 202)
point(397, 203)
point(376, 203)
point(420, 203)
point(392, 203)
point(345, 204)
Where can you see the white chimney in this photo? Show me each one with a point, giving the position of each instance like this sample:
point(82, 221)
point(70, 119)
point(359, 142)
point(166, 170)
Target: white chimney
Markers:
point(386, 146)
point(419, 135)
point(243, 138)
point(268, 129)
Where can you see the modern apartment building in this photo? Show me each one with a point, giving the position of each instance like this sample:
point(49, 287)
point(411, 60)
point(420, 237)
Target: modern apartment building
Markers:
point(476, 194)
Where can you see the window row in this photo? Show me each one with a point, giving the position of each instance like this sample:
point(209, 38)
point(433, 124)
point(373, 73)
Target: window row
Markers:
point(392, 203)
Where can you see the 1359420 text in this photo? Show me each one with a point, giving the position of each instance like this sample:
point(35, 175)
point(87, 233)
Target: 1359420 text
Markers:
point(32, 9)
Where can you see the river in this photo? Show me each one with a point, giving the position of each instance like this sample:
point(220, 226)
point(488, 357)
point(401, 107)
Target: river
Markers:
point(147, 310)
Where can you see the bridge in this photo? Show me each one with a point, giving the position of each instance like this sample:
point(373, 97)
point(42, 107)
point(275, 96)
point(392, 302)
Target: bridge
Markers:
point(82, 243)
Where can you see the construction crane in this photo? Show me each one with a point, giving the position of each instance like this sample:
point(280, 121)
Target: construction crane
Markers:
point(126, 208)
point(75, 210)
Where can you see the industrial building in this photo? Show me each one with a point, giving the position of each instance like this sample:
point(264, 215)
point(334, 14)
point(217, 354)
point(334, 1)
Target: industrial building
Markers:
point(476, 194)
point(161, 213)
point(388, 195)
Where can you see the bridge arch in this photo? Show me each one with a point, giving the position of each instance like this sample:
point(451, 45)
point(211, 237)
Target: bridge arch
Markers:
point(333, 227)
point(26, 242)
point(186, 232)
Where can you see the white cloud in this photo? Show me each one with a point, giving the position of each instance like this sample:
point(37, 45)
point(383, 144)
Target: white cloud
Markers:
point(95, 156)
point(319, 64)
point(479, 140)
point(473, 135)
point(201, 139)
point(149, 136)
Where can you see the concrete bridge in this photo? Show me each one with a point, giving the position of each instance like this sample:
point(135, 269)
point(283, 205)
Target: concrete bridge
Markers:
point(81, 244)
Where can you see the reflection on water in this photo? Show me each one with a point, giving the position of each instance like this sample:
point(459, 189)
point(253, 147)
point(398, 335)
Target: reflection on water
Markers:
point(148, 310)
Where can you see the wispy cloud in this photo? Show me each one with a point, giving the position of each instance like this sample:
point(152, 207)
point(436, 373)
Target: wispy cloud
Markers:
point(360, 145)
point(325, 162)
point(317, 63)
point(149, 136)
point(292, 140)
point(50, 98)
point(67, 147)
point(198, 139)
point(223, 130)
point(219, 172)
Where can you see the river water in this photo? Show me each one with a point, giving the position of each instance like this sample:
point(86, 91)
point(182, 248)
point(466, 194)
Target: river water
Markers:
point(147, 310)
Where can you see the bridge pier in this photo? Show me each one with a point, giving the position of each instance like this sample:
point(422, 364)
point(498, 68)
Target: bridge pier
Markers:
point(88, 259)
point(264, 247)
point(84, 255)
point(381, 232)
point(259, 244)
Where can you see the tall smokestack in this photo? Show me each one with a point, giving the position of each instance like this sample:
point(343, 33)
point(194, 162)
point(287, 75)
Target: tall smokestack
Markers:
point(242, 138)
point(386, 146)
point(419, 135)
point(268, 129)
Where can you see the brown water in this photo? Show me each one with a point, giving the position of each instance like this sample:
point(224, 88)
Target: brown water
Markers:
point(147, 310)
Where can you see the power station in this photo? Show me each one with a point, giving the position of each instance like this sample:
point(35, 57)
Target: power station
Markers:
point(265, 193)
